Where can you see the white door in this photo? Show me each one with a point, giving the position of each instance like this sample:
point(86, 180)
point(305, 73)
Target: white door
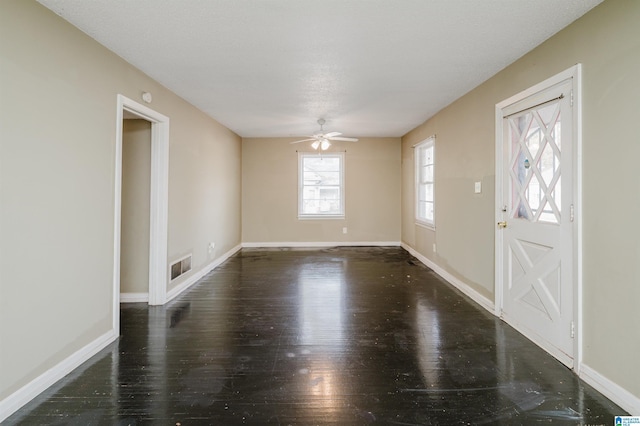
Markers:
point(535, 219)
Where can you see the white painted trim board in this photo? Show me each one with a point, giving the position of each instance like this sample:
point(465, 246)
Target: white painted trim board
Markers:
point(477, 297)
point(158, 206)
point(41, 383)
point(134, 297)
point(608, 388)
point(22, 396)
point(15, 401)
point(611, 390)
point(320, 244)
point(464, 288)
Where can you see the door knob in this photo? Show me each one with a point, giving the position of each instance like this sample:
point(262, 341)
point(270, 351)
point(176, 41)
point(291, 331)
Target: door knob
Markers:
point(502, 225)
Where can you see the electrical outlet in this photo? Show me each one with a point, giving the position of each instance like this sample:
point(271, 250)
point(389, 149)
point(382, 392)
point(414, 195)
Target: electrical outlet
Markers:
point(211, 247)
point(344, 230)
point(478, 187)
point(434, 247)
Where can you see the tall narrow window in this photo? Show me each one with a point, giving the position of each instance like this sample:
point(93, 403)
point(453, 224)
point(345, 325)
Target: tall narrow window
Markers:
point(321, 185)
point(425, 199)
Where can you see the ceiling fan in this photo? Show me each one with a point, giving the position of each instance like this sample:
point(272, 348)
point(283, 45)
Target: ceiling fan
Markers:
point(323, 140)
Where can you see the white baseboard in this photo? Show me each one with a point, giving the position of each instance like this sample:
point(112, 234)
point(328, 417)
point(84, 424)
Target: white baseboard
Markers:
point(611, 390)
point(177, 290)
point(19, 398)
point(16, 400)
point(477, 297)
point(608, 388)
point(321, 244)
point(134, 297)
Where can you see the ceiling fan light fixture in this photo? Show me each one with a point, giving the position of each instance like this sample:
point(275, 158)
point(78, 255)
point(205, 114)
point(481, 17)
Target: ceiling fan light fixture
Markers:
point(322, 141)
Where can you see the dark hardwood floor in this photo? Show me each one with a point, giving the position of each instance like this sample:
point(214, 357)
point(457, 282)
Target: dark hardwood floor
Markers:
point(301, 337)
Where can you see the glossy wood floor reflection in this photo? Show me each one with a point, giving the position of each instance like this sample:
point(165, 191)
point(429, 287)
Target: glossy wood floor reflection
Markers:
point(301, 337)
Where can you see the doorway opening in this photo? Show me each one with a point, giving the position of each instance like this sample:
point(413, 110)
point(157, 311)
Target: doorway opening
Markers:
point(158, 201)
point(135, 210)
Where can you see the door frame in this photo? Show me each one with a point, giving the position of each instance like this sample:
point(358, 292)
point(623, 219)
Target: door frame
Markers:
point(575, 75)
point(158, 208)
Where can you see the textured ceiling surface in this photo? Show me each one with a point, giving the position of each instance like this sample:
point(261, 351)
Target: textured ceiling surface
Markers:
point(272, 68)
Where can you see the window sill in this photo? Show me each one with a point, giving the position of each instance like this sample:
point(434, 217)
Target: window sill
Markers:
point(429, 226)
point(320, 217)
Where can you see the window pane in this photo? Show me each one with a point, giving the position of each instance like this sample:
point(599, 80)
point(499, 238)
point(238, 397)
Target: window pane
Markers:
point(425, 211)
point(321, 186)
point(535, 170)
point(310, 193)
point(429, 211)
point(428, 155)
point(422, 193)
point(310, 206)
point(422, 211)
point(319, 164)
point(330, 193)
point(311, 178)
point(428, 192)
point(427, 174)
point(322, 201)
point(330, 178)
point(321, 178)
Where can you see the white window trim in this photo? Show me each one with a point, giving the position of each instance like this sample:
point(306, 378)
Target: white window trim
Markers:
point(302, 216)
point(430, 141)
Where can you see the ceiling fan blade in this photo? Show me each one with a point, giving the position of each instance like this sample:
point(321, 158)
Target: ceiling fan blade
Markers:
point(303, 140)
point(332, 134)
point(343, 139)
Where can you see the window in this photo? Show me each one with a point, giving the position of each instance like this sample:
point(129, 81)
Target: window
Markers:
point(425, 200)
point(321, 185)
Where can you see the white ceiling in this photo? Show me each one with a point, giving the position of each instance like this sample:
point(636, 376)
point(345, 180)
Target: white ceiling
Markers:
point(271, 68)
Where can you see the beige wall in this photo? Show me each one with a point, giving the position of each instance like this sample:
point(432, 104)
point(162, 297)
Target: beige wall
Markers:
point(57, 156)
point(270, 193)
point(57, 179)
point(607, 42)
point(205, 173)
point(136, 195)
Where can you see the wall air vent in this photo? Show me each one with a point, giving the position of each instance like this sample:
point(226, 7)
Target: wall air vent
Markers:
point(180, 266)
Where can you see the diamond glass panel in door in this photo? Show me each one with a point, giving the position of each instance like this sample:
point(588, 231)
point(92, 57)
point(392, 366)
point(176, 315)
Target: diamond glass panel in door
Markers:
point(535, 164)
